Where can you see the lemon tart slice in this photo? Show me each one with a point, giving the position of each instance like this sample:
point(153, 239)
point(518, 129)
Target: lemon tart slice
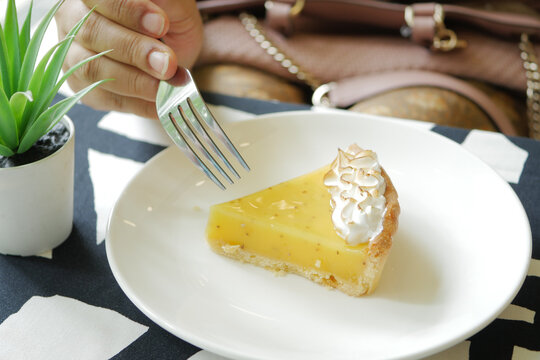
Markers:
point(333, 226)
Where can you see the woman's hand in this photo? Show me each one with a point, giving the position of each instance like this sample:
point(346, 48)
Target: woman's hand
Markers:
point(139, 60)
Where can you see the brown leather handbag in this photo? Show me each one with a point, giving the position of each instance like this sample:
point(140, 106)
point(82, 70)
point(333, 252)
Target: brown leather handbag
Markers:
point(349, 50)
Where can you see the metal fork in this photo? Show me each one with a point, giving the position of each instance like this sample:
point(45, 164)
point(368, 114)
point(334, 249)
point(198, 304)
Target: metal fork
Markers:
point(190, 124)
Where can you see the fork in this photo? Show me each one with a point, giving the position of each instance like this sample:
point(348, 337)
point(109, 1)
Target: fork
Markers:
point(192, 127)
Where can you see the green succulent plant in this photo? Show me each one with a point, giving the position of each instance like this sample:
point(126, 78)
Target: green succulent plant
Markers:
point(28, 87)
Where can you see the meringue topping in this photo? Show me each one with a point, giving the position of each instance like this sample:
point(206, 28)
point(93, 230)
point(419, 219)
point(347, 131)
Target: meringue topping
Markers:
point(357, 188)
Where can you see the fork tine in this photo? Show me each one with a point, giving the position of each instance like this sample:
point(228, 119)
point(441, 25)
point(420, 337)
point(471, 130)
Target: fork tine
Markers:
point(210, 120)
point(186, 126)
point(199, 125)
point(192, 127)
point(180, 140)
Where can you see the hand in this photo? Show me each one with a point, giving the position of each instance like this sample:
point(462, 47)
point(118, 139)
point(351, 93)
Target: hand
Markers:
point(139, 60)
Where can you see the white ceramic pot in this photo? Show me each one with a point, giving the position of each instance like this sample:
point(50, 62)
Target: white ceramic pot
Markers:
point(36, 202)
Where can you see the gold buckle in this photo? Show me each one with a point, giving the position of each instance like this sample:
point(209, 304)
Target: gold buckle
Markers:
point(447, 40)
point(297, 8)
point(444, 38)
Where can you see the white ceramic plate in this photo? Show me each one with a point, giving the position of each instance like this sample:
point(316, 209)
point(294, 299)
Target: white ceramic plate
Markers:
point(459, 257)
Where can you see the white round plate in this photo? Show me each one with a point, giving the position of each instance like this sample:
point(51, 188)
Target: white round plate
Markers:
point(460, 254)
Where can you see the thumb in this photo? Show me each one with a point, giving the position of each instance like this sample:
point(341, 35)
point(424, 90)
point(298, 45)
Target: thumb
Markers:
point(185, 33)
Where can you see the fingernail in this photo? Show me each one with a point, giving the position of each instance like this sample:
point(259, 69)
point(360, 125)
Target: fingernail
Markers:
point(153, 23)
point(159, 61)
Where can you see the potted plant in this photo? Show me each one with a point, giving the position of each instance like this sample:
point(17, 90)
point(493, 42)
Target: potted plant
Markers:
point(36, 139)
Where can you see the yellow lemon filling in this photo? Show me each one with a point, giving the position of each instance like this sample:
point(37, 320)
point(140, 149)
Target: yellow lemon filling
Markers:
point(290, 223)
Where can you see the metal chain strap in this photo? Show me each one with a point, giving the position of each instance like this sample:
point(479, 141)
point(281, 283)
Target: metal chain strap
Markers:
point(256, 31)
point(530, 63)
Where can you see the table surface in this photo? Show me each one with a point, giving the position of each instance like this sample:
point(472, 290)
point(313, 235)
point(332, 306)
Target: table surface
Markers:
point(67, 304)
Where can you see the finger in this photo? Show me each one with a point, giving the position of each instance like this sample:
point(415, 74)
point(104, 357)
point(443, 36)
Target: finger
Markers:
point(145, 53)
point(139, 15)
point(185, 35)
point(69, 14)
point(103, 100)
point(129, 81)
point(148, 54)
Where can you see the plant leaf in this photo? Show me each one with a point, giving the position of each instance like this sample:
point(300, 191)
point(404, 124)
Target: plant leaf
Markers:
point(4, 56)
point(18, 103)
point(37, 74)
point(51, 73)
point(35, 82)
point(51, 116)
point(70, 71)
point(11, 33)
point(32, 51)
point(24, 35)
point(5, 151)
point(55, 65)
point(8, 124)
point(2, 142)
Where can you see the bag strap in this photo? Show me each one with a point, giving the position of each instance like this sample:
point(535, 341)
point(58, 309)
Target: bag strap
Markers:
point(347, 92)
point(215, 7)
point(377, 13)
